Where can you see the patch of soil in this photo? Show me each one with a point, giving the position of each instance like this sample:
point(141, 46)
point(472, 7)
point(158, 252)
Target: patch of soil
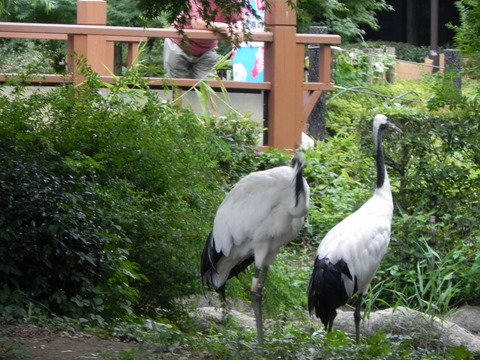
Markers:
point(31, 342)
point(42, 343)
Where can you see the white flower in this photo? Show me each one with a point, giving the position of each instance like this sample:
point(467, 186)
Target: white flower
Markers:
point(379, 67)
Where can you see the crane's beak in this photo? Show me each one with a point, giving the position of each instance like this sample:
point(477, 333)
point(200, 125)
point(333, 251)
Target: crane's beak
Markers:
point(394, 127)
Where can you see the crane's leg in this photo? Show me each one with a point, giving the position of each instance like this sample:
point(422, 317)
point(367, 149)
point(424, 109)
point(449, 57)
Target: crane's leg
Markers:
point(357, 317)
point(330, 321)
point(256, 295)
point(225, 310)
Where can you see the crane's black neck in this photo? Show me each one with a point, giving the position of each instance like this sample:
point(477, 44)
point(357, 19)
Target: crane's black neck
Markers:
point(380, 158)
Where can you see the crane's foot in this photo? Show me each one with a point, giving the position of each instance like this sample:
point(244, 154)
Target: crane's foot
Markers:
point(225, 311)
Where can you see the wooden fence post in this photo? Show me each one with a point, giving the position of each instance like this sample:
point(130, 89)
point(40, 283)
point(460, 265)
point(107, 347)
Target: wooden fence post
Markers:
point(453, 66)
point(95, 48)
point(317, 118)
point(281, 69)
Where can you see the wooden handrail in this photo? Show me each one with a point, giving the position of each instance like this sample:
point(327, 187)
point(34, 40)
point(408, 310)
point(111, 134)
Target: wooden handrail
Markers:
point(289, 99)
point(41, 78)
point(136, 34)
point(7, 28)
point(156, 82)
point(29, 35)
point(118, 31)
point(324, 39)
point(188, 83)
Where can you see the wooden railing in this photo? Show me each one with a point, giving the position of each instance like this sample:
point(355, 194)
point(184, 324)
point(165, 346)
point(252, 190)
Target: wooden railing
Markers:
point(289, 99)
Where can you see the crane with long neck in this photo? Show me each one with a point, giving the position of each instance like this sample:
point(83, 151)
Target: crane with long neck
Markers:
point(263, 212)
point(350, 253)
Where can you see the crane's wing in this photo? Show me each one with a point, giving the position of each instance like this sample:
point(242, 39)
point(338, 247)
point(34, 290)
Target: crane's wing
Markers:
point(361, 240)
point(257, 207)
point(261, 213)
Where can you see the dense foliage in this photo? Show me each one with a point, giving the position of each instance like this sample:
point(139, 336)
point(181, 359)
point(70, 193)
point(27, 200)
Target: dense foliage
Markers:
point(343, 17)
point(105, 200)
point(466, 38)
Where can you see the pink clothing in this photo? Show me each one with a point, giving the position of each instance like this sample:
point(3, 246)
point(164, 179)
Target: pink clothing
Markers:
point(199, 46)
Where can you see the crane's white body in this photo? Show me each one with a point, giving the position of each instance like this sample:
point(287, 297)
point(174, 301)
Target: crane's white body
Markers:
point(257, 217)
point(350, 253)
point(262, 212)
point(361, 240)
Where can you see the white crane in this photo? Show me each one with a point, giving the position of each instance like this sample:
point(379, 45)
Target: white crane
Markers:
point(350, 253)
point(264, 211)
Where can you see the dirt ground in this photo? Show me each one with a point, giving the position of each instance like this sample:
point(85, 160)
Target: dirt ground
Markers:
point(43, 343)
point(31, 342)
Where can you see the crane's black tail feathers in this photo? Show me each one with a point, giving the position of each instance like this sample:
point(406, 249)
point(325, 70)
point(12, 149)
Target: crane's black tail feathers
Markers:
point(298, 163)
point(326, 291)
point(209, 261)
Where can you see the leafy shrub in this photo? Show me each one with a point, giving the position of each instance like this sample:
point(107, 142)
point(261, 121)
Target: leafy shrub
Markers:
point(350, 69)
point(38, 55)
point(61, 252)
point(466, 34)
point(53, 265)
point(105, 192)
point(241, 135)
point(341, 177)
point(12, 348)
point(403, 51)
point(290, 340)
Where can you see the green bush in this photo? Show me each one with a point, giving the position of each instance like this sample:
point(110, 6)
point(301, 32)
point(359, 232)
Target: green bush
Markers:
point(52, 251)
point(107, 199)
point(403, 51)
point(289, 340)
point(351, 71)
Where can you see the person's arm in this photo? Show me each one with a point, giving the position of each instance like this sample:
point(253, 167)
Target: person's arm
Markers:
point(235, 30)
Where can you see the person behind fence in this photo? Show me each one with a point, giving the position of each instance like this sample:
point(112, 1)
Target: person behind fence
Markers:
point(195, 58)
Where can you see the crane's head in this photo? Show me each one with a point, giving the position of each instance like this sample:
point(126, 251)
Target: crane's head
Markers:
point(381, 122)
